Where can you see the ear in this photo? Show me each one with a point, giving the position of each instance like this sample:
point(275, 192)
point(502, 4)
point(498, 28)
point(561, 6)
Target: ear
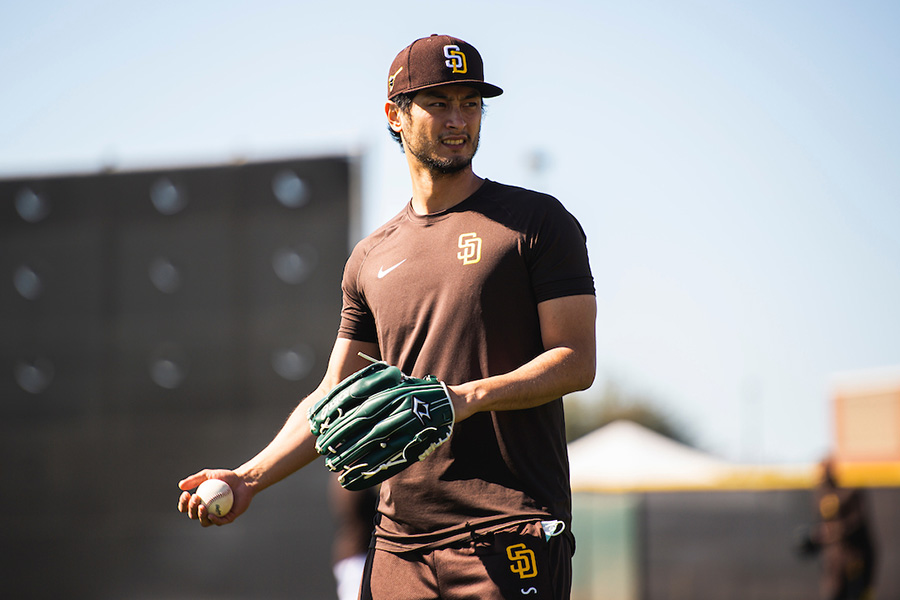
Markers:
point(392, 111)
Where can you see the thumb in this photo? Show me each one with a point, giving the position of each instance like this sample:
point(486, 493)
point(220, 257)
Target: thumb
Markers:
point(189, 483)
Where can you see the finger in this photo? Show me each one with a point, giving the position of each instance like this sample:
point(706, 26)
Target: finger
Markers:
point(189, 483)
point(183, 501)
point(215, 520)
point(203, 515)
point(196, 507)
point(206, 517)
point(198, 511)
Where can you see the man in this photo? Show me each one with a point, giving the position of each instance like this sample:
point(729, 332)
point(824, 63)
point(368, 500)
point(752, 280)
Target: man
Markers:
point(843, 536)
point(488, 288)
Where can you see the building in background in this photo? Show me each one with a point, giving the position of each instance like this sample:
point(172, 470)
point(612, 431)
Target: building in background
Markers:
point(656, 520)
point(867, 426)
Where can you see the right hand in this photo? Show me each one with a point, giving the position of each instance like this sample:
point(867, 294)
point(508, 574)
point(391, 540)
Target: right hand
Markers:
point(191, 504)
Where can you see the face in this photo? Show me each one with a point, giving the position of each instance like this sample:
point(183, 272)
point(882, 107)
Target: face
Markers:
point(442, 128)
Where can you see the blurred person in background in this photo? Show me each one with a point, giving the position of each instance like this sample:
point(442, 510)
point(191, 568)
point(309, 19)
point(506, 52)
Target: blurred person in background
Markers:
point(842, 536)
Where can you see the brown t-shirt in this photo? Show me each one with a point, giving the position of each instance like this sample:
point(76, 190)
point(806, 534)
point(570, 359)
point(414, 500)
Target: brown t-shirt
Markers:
point(454, 294)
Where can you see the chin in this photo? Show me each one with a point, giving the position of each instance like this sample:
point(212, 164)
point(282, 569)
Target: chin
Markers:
point(450, 167)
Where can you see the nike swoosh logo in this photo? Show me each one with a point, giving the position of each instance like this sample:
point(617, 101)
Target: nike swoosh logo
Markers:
point(382, 271)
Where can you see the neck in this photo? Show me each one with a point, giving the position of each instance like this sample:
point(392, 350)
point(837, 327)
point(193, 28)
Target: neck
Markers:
point(434, 192)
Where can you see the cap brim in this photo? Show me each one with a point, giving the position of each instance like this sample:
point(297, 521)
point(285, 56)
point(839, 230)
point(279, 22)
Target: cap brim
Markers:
point(487, 90)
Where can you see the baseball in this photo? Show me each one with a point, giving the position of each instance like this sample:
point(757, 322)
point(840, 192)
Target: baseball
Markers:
point(216, 495)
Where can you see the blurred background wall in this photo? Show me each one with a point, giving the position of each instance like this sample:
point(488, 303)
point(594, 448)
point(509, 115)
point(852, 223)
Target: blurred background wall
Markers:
point(159, 322)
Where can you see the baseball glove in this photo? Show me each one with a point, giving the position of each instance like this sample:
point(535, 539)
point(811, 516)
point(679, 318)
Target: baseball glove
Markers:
point(379, 421)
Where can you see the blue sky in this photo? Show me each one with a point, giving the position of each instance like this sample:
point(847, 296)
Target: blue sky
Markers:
point(735, 165)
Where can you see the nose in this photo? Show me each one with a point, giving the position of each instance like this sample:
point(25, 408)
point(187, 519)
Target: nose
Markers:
point(455, 118)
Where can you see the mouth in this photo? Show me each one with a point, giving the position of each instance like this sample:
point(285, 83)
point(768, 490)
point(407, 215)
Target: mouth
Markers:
point(453, 142)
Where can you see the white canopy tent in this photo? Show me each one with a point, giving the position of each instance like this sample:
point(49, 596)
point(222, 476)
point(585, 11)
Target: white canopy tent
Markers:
point(625, 456)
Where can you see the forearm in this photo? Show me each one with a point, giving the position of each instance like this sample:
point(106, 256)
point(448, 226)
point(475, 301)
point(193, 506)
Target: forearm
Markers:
point(292, 449)
point(568, 363)
point(295, 446)
point(550, 375)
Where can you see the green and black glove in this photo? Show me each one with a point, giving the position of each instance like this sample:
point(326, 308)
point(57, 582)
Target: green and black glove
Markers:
point(379, 421)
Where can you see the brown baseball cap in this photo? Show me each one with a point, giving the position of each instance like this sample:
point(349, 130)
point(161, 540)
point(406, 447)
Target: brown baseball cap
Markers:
point(438, 60)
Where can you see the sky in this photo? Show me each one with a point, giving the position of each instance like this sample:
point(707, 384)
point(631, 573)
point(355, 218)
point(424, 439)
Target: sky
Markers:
point(734, 164)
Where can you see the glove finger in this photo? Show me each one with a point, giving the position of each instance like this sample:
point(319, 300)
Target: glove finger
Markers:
point(351, 394)
point(354, 424)
point(388, 462)
point(346, 382)
point(358, 422)
point(355, 389)
point(367, 371)
point(373, 442)
point(387, 420)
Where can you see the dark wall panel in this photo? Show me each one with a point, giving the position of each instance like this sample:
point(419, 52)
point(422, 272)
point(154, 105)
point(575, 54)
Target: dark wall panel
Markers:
point(155, 323)
point(52, 261)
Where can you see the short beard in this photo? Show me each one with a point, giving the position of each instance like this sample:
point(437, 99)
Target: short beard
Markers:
point(439, 166)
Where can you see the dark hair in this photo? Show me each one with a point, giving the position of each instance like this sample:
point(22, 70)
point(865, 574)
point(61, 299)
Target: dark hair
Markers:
point(403, 102)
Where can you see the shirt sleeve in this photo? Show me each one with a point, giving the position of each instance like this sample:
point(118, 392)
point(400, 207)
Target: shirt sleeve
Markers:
point(357, 320)
point(557, 253)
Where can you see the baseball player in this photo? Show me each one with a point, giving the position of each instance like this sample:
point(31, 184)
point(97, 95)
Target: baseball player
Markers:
point(465, 319)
